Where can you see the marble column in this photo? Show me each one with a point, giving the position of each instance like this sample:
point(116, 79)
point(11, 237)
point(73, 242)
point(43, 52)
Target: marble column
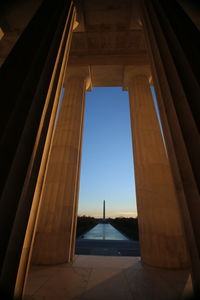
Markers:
point(173, 48)
point(34, 70)
point(54, 237)
point(161, 233)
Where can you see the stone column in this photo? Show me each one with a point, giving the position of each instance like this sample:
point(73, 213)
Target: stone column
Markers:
point(54, 237)
point(161, 234)
point(40, 54)
point(173, 48)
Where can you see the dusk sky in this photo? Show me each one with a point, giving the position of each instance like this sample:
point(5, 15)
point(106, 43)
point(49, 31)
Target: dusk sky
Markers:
point(107, 161)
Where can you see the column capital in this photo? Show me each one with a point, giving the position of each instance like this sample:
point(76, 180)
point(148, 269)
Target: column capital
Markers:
point(79, 72)
point(76, 22)
point(130, 72)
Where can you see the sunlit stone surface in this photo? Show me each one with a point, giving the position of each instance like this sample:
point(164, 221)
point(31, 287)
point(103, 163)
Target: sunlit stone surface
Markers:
point(111, 36)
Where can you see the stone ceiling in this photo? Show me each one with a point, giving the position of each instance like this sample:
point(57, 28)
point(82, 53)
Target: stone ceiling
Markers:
point(108, 38)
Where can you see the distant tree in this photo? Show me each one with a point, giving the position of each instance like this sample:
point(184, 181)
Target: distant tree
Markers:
point(85, 223)
point(128, 226)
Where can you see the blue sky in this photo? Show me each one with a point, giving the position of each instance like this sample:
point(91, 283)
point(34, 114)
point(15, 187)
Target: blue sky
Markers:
point(107, 171)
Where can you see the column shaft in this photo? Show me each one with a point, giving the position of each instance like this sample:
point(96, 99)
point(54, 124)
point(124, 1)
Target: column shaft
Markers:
point(172, 41)
point(161, 233)
point(33, 69)
point(54, 235)
point(74, 225)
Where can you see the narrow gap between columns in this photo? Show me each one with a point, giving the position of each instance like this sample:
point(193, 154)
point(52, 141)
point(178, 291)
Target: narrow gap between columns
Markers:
point(59, 105)
point(158, 115)
point(107, 215)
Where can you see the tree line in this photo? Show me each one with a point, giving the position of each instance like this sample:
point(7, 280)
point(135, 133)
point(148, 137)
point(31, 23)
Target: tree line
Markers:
point(127, 226)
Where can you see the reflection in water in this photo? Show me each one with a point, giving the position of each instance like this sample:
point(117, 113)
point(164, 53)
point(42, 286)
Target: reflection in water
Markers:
point(104, 232)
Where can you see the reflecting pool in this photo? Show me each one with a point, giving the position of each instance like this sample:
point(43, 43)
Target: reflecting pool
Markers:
point(104, 232)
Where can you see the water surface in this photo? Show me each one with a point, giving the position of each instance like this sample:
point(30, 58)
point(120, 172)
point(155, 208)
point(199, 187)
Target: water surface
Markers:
point(104, 232)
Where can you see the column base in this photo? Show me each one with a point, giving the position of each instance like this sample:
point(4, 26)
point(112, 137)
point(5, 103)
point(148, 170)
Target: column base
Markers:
point(50, 248)
point(166, 252)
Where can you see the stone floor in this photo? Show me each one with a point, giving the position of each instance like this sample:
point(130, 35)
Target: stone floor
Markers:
point(104, 278)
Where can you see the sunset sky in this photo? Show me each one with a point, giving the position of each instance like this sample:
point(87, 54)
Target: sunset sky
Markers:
point(107, 160)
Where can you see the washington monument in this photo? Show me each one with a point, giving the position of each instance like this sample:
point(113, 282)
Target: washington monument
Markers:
point(104, 210)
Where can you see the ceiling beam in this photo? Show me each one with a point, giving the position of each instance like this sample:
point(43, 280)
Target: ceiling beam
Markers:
point(107, 59)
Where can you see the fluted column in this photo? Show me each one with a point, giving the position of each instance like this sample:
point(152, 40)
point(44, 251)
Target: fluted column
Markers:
point(173, 47)
point(161, 233)
point(54, 237)
point(34, 68)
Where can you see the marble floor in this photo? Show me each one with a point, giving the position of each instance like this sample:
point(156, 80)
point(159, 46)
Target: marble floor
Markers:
point(104, 278)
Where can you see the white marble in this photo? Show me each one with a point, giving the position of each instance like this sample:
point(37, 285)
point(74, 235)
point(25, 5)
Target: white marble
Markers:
point(104, 278)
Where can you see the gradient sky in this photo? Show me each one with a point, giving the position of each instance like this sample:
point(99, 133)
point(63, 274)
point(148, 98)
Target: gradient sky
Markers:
point(107, 161)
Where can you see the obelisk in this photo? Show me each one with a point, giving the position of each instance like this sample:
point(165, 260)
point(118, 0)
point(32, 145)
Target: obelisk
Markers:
point(104, 209)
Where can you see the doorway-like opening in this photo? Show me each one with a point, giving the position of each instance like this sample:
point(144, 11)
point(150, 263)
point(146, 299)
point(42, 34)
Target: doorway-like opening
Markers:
point(107, 213)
